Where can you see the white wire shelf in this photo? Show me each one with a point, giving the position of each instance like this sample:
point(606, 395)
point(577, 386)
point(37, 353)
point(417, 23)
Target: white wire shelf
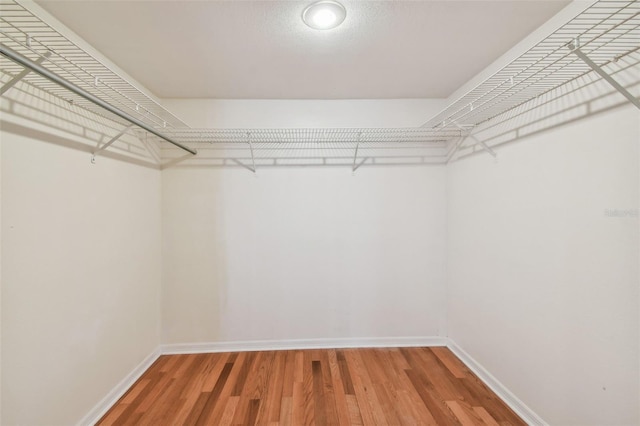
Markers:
point(30, 36)
point(608, 32)
point(293, 147)
point(307, 135)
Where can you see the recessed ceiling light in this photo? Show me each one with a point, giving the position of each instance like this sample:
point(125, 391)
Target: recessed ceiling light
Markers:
point(324, 15)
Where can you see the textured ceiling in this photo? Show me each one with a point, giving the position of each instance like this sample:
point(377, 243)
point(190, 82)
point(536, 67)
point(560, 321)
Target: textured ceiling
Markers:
point(262, 50)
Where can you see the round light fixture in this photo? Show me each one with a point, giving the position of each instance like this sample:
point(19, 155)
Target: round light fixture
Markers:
point(324, 15)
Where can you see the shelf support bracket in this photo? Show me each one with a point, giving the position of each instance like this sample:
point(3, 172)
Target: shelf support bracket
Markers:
point(575, 49)
point(108, 144)
point(253, 159)
point(355, 155)
point(484, 146)
point(467, 129)
point(455, 149)
point(9, 84)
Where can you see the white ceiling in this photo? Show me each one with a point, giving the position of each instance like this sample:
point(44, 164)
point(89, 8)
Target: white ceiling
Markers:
point(262, 50)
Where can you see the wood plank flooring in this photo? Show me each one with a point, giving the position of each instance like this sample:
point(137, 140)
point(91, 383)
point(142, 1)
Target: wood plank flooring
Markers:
point(407, 386)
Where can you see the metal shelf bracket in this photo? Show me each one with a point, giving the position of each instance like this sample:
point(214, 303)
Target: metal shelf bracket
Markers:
point(483, 146)
point(108, 144)
point(355, 155)
point(465, 133)
point(253, 160)
point(574, 46)
point(457, 146)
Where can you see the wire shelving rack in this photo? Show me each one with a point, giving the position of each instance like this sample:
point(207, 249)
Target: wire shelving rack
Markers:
point(607, 33)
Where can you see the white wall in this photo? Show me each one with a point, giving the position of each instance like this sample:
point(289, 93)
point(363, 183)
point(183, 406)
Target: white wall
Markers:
point(80, 277)
point(542, 283)
point(303, 253)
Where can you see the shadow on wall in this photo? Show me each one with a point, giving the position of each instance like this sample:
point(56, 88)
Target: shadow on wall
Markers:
point(30, 111)
point(576, 100)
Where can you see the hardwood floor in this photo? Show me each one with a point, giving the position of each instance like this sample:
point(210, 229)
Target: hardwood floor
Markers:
point(408, 386)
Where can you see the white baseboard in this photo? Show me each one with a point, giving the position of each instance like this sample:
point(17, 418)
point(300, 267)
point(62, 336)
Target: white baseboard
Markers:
point(519, 407)
point(270, 345)
point(116, 393)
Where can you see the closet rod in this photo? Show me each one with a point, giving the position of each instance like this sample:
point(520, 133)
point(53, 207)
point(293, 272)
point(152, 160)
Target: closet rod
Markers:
point(28, 63)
